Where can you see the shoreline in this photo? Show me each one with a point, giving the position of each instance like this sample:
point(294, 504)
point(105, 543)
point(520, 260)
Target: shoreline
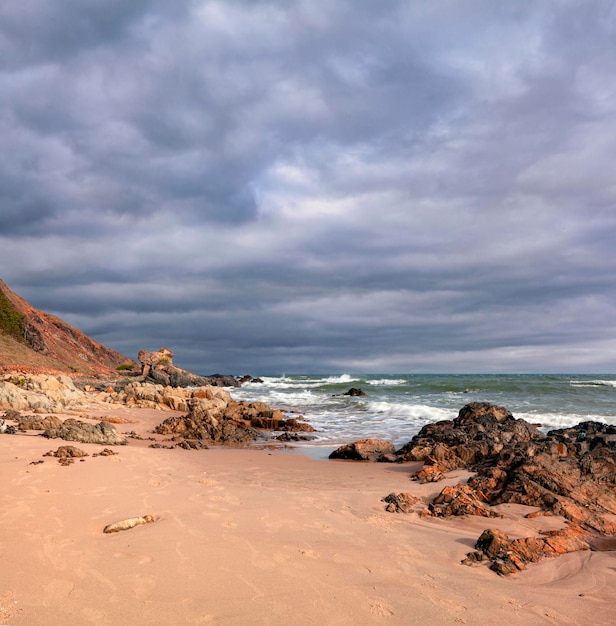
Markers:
point(259, 536)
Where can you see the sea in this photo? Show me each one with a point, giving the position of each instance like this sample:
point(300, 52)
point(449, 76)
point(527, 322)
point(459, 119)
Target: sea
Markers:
point(395, 407)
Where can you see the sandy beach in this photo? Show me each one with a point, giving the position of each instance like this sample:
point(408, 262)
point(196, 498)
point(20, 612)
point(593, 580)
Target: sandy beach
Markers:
point(259, 537)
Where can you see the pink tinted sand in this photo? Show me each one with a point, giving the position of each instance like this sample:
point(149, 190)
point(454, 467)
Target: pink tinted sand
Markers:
point(258, 537)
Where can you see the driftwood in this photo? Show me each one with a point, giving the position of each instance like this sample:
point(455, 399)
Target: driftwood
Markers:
point(131, 522)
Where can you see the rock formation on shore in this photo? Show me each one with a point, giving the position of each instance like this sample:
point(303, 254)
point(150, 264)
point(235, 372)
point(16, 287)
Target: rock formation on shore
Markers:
point(211, 414)
point(158, 367)
point(568, 472)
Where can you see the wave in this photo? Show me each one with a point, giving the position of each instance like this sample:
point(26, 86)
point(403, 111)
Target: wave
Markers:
point(593, 383)
point(422, 412)
point(383, 382)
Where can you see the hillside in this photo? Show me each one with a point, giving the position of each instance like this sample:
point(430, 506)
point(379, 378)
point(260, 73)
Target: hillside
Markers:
point(34, 340)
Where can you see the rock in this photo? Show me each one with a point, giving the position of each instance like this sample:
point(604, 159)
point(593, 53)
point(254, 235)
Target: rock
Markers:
point(43, 392)
point(473, 411)
point(354, 391)
point(201, 424)
point(126, 524)
point(364, 450)
point(64, 452)
point(105, 452)
point(296, 426)
point(507, 556)
point(33, 422)
point(481, 431)
point(149, 359)
point(74, 430)
point(400, 502)
point(287, 436)
point(459, 500)
point(569, 472)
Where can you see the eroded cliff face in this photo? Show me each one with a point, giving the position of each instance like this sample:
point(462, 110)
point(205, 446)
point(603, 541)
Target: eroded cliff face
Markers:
point(36, 340)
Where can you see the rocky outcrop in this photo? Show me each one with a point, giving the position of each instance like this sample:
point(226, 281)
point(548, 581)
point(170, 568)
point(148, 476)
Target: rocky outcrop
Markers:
point(151, 359)
point(209, 419)
point(366, 450)
point(568, 472)
point(209, 425)
point(43, 393)
point(157, 367)
point(480, 432)
point(75, 430)
point(507, 556)
point(234, 421)
point(354, 391)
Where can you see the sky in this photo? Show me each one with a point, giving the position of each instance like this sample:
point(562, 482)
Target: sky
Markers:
point(316, 186)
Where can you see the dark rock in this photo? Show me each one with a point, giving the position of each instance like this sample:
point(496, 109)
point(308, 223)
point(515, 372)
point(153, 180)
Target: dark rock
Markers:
point(287, 436)
point(354, 391)
point(481, 431)
point(364, 450)
point(249, 379)
point(71, 429)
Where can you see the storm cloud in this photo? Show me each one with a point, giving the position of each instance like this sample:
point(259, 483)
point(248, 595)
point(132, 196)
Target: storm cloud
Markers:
point(316, 186)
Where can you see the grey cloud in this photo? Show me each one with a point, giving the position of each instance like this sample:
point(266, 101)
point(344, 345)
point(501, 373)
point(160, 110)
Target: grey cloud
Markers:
point(299, 186)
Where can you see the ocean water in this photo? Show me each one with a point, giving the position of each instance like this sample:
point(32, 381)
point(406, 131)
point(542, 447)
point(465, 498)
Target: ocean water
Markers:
point(397, 406)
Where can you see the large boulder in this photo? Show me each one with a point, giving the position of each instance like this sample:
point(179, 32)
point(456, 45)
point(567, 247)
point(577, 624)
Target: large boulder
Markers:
point(480, 432)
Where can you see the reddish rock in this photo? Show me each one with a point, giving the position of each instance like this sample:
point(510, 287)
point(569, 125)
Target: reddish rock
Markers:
point(459, 500)
point(507, 556)
point(365, 450)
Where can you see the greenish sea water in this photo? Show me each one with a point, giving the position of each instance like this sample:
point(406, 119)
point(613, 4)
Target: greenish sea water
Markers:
point(397, 406)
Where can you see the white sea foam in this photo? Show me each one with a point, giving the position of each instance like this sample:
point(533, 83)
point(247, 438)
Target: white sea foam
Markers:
point(384, 382)
point(553, 421)
point(421, 412)
point(343, 378)
point(593, 383)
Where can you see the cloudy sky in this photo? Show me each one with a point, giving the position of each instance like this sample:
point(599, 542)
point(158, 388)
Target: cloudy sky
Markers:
point(316, 185)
